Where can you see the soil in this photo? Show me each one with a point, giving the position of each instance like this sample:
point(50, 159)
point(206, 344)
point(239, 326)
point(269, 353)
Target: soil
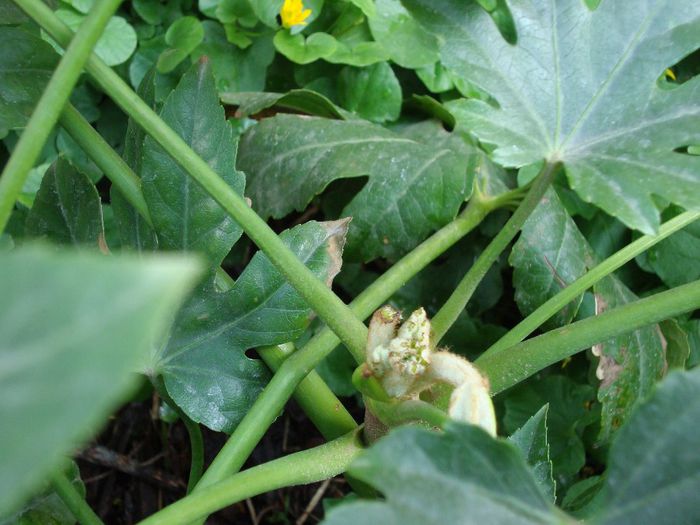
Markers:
point(140, 464)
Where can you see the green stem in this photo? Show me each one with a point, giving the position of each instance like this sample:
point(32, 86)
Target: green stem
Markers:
point(507, 368)
point(456, 303)
point(304, 467)
point(74, 500)
point(292, 371)
point(399, 413)
point(105, 158)
point(325, 303)
point(52, 100)
point(324, 409)
point(314, 396)
point(583, 283)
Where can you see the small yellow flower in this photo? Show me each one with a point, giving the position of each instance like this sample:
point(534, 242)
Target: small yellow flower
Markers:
point(293, 13)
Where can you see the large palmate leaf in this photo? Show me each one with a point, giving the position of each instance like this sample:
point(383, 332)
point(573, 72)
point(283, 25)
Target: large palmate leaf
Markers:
point(549, 255)
point(74, 327)
point(462, 476)
point(67, 208)
point(630, 364)
point(653, 471)
point(533, 442)
point(184, 215)
point(413, 188)
point(204, 365)
point(581, 87)
point(26, 64)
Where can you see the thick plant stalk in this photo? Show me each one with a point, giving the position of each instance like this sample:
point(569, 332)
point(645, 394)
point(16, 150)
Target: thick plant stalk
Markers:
point(53, 99)
point(304, 467)
point(74, 501)
point(292, 371)
point(507, 368)
point(456, 303)
point(325, 303)
point(583, 283)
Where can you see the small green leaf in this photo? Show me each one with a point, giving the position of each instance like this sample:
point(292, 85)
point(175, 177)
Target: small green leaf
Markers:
point(304, 50)
point(461, 476)
point(366, 6)
point(303, 100)
point(630, 364)
point(653, 471)
point(677, 343)
point(581, 87)
point(67, 209)
point(408, 44)
point(549, 255)
point(236, 69)
point(532, 441)
point(117, 43)
point(74, 327)
point(204, 364)
point(185, 216)
point(26, 65)
point(183, 36)
point(413, 189)
point(567, 416)
point(372, 92)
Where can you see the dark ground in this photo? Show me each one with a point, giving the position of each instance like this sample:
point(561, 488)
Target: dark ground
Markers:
point(140, 464)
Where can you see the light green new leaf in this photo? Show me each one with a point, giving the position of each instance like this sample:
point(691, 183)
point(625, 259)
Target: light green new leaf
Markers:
point(117, 43)
point(26, 64)
point(549, 255)
point(74, 329)
point(372, 92)
point(408, 44)
point(67, 208)
point(533, 442)
point(185, 216)
point(630, 364)
point(581, 87)
point(204, 364)
point(413, 189)
point(653, 471)
point(461, 476)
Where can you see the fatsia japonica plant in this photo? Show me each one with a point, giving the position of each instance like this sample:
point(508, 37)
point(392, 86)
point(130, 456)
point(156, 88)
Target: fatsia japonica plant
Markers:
point(203, 202)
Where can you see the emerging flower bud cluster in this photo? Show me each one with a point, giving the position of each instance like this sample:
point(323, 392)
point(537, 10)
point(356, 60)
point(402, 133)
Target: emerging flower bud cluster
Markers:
point(402, 359)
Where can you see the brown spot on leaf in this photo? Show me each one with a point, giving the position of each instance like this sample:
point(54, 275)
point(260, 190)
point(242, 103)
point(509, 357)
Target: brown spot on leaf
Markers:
point(337, 232)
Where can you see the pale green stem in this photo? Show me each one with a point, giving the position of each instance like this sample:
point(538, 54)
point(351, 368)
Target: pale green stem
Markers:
point(325, 303)
point(583, 283)
point(52, 100)
point(74, 500)
point(511, 366)
point(456, 303)
point(301, 468)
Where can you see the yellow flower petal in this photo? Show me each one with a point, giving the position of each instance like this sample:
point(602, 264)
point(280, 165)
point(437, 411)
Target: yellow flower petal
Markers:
point(293, 13)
